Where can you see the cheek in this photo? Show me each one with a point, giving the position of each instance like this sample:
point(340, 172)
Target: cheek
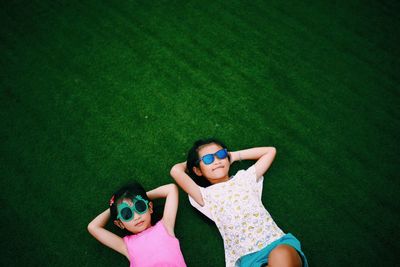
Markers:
point(148, 218)
point(148, 213)
point(205, 169)
point(227, 162)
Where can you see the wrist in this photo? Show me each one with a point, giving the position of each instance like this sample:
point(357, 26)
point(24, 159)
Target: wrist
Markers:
point(235, 156)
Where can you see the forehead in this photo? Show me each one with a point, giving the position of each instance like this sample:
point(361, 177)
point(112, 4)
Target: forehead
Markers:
point(209, 149)
point(127, 201)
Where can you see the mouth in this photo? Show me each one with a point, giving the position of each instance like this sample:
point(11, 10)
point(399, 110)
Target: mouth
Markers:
point(219, 167)
point(139, 224)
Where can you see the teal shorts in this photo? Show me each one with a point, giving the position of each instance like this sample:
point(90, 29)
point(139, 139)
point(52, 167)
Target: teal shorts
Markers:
point(260, 258)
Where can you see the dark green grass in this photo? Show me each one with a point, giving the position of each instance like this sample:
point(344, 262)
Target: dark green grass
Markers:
point(95, 94)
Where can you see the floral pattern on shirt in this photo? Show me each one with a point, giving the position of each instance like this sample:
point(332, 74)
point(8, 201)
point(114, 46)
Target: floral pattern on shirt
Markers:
point(236, 208)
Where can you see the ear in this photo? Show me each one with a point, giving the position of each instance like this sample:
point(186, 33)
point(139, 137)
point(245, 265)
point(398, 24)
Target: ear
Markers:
point(151, 207)
point(119, 224)
point(197, 171)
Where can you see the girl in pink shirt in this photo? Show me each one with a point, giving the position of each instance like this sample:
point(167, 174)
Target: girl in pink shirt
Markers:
point(131, 209)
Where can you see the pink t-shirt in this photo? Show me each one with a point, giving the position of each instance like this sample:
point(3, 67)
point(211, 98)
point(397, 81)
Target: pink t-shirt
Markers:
point(154, 247)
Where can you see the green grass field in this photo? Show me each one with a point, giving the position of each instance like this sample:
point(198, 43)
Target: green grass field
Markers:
point(96, 93)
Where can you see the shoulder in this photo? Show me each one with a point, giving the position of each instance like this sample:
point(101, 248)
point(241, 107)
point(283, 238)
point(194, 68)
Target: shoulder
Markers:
point(250, 172)
point(128, 238)
point(248, 177)
point(160, 226)
point(205, 209)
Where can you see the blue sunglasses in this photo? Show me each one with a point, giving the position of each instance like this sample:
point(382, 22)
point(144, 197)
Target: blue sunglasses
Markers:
point(126, 212)
point(209, 158)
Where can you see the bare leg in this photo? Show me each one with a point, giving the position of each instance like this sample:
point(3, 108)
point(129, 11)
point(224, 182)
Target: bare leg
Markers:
point(284, 256)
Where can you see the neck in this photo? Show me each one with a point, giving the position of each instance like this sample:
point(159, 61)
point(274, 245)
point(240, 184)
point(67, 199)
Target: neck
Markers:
point(219, 180)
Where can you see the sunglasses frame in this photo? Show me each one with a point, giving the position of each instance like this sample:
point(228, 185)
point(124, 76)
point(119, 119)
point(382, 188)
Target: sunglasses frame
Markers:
point(123, 205)
point(213, 156)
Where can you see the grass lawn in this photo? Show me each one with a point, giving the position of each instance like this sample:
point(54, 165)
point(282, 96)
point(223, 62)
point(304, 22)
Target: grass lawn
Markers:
point(94, 94)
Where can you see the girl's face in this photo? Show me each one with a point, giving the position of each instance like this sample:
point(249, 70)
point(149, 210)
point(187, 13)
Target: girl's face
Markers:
point(140, 222)
point(218, 170)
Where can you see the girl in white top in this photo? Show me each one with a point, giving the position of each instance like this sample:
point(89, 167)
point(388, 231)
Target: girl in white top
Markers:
point(251, 237)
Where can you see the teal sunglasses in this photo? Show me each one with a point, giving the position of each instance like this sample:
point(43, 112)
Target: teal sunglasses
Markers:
point(126, 212)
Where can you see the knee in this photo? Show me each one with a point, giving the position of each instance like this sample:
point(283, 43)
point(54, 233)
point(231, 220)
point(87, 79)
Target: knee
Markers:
point(284, 256)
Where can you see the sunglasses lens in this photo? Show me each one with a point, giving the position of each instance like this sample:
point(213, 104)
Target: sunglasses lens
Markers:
point(221, 154)
point(140, 206)
point(126, 214)
point(208, 159)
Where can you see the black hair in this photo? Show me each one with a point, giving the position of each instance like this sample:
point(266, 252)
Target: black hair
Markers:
point(130, 191)
point(192, 159)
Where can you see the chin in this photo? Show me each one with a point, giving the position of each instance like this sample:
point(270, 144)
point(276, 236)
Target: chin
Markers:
point(216, 180)
point(140, 228)
point(220, 174)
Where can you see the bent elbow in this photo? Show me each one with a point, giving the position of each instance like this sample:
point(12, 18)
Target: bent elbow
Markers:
point(174, 172)
point(90, 228)
point(173, 189)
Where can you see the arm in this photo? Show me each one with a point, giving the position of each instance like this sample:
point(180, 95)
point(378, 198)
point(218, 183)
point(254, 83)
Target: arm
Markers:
point(186, 183)
point(263, 155)
point(111, 240)
point(170, 192)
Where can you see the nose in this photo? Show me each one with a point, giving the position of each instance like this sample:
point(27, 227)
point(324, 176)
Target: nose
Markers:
point(216, 159)
point(136, 216)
